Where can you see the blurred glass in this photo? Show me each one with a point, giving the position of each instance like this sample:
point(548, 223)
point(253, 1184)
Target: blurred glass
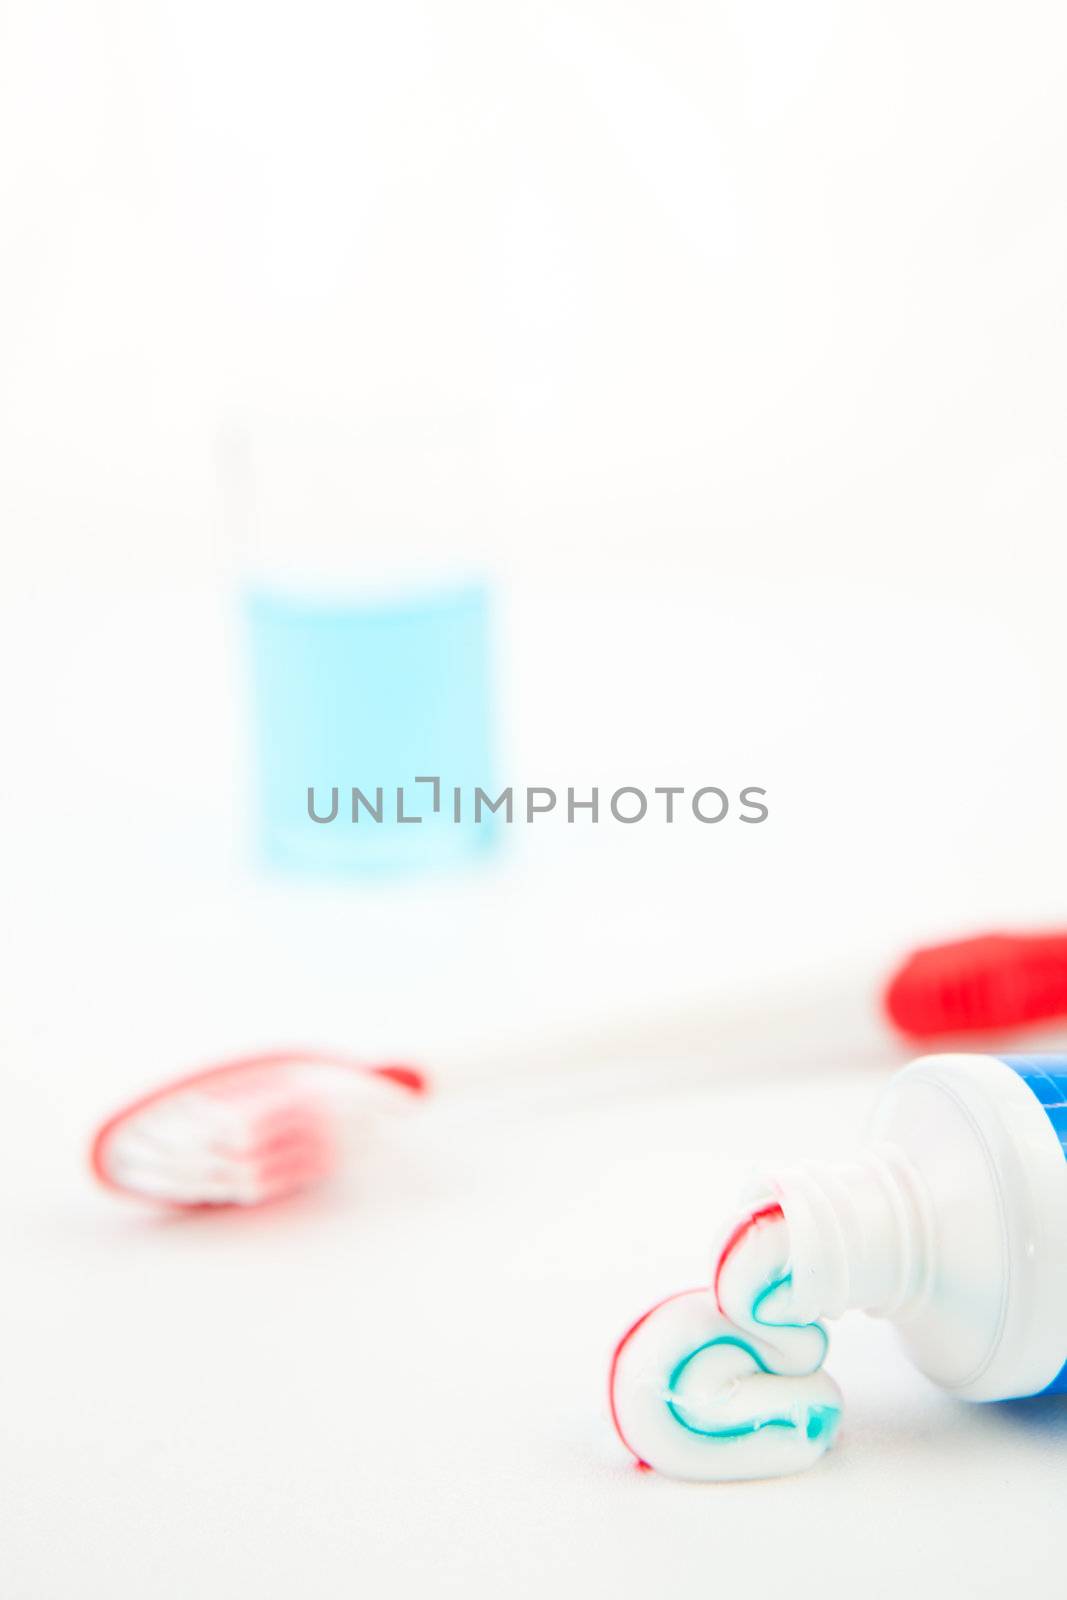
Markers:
point(366, 608)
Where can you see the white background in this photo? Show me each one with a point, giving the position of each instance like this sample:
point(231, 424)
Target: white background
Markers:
point(749, 320)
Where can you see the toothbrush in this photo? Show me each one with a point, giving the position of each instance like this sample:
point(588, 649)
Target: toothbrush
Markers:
point(243, 1132)
point(993, 982)
point(256, 1128)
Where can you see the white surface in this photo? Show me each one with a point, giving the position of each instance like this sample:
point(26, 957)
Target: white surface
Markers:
point(753, 316)
point(402, 1391)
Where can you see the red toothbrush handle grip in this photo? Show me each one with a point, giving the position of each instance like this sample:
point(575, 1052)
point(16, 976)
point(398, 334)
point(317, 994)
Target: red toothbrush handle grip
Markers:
point(980, 985)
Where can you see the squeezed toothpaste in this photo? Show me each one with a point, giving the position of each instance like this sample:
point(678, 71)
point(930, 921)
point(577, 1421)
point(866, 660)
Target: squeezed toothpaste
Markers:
point(724, 1382)
point(951, 1222)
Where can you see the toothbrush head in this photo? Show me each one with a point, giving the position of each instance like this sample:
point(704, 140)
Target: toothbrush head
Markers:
point(242, 1133)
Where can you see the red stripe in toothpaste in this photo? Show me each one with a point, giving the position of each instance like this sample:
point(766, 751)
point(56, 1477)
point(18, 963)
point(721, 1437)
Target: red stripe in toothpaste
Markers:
point(744, 1227)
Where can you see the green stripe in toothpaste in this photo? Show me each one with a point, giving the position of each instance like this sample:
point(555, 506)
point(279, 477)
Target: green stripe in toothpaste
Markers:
point(820, 1422)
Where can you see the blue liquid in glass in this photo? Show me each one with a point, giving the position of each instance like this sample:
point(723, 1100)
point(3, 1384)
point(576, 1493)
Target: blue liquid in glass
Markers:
point(371, 695)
